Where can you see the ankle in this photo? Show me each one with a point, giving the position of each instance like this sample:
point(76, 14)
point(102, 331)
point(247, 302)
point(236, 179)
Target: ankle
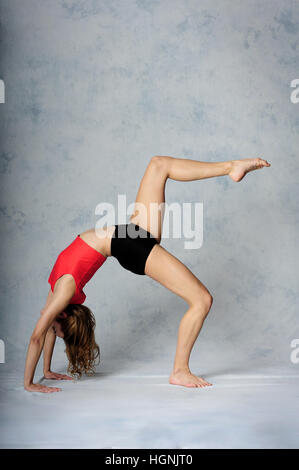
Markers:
point(229, 166)
point(181, 369)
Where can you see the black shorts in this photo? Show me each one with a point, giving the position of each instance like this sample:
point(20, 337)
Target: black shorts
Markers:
point(131, 245)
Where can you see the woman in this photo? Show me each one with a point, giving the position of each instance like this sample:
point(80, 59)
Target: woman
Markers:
point(64, 315)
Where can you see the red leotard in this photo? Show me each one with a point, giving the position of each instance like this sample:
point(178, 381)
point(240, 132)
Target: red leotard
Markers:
point(81, 261)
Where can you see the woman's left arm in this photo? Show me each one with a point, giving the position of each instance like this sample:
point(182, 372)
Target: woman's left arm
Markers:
point(59, 302)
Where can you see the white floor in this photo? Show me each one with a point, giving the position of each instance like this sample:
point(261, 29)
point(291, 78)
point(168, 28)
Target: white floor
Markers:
point(113, 410)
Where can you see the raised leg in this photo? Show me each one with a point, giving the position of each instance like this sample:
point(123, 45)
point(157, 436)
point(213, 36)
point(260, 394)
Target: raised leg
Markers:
point(175, 276)
point(149, 209)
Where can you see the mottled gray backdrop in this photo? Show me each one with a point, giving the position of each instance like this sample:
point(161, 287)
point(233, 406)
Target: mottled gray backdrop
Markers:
point(93, 90)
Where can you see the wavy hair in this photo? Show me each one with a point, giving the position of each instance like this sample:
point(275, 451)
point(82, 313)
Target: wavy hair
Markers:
point(81, 347)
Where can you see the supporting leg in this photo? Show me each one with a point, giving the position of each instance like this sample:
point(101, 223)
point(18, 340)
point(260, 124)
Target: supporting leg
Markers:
point(175, 276)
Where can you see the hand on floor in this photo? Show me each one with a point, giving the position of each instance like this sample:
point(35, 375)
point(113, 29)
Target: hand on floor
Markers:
point(54, 376)
point(41, 388)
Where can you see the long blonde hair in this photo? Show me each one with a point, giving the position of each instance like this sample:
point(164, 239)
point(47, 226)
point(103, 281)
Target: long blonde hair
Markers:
point(81, 347)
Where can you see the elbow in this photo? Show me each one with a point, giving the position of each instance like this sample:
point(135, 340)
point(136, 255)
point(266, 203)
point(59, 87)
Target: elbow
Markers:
point(35, 339)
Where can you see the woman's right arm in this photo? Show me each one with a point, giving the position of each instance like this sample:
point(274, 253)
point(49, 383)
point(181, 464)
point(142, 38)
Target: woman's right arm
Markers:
point(59, 302)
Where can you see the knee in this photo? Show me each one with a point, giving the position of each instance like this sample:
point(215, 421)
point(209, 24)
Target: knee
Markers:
point(206, 302)
point(159, 163)
point(202, 303)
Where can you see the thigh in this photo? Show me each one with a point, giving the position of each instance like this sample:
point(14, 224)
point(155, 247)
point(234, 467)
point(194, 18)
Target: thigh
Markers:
point(169, 271)
point(149, 204)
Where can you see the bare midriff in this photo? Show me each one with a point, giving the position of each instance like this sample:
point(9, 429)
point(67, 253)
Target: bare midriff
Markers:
point(99, 239)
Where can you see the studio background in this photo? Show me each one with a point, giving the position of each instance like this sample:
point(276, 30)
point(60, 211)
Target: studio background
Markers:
point(94, 89)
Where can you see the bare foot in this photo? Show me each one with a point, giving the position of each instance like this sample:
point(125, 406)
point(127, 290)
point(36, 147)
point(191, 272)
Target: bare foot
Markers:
point(241, 167)
point(187, 379)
